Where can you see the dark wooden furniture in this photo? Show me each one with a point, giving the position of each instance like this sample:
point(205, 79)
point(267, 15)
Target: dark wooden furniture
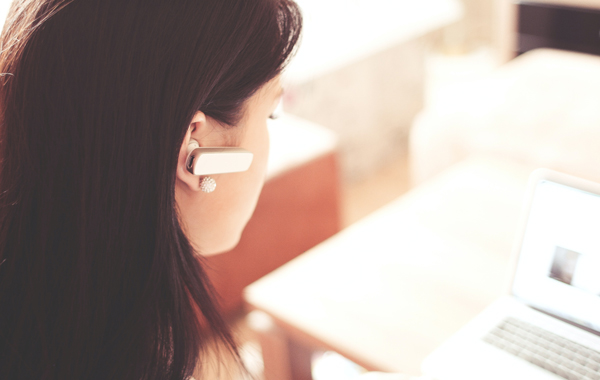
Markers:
point(542, 25)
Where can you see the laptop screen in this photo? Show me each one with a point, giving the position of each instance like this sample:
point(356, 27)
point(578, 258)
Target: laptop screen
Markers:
point(559, 264)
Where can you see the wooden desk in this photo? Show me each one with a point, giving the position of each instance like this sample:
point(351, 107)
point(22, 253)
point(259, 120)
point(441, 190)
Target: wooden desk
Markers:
point(389, 289)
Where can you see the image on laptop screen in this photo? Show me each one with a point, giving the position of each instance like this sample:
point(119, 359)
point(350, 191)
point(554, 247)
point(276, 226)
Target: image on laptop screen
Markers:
point(559, 264)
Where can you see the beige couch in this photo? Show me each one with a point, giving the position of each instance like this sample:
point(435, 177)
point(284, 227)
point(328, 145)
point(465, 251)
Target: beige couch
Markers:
point(540, 109)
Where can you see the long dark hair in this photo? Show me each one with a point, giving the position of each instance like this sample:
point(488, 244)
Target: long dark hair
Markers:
point(97, 279)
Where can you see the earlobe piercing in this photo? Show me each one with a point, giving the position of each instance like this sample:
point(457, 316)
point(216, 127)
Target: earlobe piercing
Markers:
point(208, 184)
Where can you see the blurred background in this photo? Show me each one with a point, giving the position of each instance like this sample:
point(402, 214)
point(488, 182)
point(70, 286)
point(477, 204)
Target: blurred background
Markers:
point(412, 89)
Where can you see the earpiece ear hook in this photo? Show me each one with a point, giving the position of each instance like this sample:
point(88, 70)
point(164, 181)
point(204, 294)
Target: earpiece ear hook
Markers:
point(193, 145)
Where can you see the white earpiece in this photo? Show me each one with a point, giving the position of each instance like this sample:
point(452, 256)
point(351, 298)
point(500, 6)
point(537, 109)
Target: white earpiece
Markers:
point(216, 160)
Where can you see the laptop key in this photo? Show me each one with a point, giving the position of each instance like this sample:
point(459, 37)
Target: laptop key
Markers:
point(595, 376)
point(592, 365)
point(513, 348)
point(580, 359)
point(581, 370)
point(589, 373)
point(561, 371)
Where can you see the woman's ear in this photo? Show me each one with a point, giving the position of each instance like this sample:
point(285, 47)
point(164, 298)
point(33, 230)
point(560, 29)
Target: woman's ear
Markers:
point(196, 130)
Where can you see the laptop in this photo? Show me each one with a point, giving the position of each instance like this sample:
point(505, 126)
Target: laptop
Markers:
point(548, 326)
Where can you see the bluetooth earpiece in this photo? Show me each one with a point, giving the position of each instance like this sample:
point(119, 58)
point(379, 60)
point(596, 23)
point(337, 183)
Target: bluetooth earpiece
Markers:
point(216, 160)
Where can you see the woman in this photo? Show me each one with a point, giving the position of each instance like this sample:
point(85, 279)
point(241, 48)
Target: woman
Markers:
point(101, 223)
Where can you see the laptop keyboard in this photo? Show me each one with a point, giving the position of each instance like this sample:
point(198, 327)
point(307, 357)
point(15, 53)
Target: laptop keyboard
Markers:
point(552, 352)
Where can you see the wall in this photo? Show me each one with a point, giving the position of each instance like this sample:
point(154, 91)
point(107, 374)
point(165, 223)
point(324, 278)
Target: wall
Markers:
point(370, 104)
point(360, 72)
